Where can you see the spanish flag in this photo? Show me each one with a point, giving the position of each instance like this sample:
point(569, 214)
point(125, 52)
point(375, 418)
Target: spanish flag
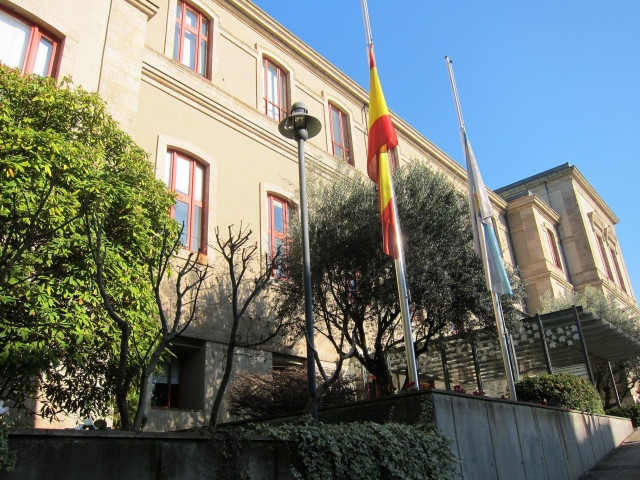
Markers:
point(382, 139)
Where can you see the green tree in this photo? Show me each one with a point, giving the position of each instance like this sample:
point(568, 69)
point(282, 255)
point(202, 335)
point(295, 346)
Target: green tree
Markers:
point(626, 371)
point(63, 157)
point(355, 294)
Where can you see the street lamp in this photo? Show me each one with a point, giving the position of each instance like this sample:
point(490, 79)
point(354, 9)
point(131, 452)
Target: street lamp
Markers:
point(301, 126)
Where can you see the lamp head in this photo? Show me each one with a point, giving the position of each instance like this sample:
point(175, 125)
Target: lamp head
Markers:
point(299, 125)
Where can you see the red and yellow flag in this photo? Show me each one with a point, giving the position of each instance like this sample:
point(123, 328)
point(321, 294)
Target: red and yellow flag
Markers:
point(382, 138)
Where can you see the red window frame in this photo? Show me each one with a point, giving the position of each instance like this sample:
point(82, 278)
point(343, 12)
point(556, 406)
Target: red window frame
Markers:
point(36, 34)
point(280, 108)
point(193, 242)
point(614, 256)
point(554, 248)
point(276, 234)
point(340, 138)
point(202, 33)
point(603, 255)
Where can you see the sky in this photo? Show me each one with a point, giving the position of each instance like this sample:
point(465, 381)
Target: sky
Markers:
point(541, 83)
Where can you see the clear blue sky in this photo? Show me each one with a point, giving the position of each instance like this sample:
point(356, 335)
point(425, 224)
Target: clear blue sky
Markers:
point(541, 83)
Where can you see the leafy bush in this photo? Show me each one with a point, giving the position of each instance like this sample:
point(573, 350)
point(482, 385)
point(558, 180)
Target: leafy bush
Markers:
point(259, 395)
point(627, 411)
point(570, 391)
point(368, 450)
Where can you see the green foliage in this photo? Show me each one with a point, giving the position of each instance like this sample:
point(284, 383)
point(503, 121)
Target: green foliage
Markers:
point(627, 411)
point(61, 157)
point(7, 457)
point(354, 283)
point(572, 392)
point(367, 450)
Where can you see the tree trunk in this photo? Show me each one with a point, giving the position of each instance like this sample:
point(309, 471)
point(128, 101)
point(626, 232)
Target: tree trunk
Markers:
point(121, 383)
point(225, 380)
point(143, 410)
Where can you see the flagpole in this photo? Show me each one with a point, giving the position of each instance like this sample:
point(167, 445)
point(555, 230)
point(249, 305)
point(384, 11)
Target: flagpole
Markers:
point(400, 267)
point(495, 296)
point(403, 295)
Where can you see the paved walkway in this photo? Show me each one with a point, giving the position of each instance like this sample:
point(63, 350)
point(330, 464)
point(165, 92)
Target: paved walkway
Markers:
point(621, 464)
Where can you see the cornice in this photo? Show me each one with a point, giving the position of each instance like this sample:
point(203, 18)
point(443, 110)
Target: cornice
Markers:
point(532, 200)
point(578, 177)
point(145, 6)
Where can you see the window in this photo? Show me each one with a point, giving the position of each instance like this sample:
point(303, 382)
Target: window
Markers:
point(603, 255)
point(340, 139)
point(371, 389)
point(185, 176)
point(166, 386)
point(278, 227)
point(614, 257)
point(191, 42)
point(180, 382)
point(25, 46)
point(554, 248)
point(275, 91)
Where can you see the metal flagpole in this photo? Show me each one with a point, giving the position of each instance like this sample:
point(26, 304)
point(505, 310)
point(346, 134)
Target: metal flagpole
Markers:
point(403, 292)
point(403, 295)
point(495, 297)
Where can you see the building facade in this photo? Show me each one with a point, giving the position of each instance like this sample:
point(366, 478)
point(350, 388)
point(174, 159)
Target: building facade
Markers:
point(201, 85)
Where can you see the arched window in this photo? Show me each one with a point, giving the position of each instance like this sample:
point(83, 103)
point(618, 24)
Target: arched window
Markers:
point(279, 210)
point(276, 91)
point(340, 138)
point(186, 177)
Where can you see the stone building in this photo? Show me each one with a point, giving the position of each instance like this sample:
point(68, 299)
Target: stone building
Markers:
point(202, 84)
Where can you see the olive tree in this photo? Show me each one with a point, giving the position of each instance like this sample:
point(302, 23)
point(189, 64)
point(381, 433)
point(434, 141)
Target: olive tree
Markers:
point(355, 296)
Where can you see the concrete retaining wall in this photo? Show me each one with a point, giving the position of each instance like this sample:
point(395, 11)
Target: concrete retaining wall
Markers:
point(497, 439)
point(494, 439)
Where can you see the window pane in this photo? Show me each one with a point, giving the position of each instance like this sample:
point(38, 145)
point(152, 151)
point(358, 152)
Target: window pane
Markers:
point(14, 38)
point(159, 391)
point(337, 151)
point(179, 10)
point(278, 216)
point(43, 57)
point(204, 29)
point(167, 169)
point(343, 132)
point(191, 19)
point(272, 111)
point(181, 214)
point(176, 42)
point(198, 184)
point(189, 50)
point(195, 234)
point(183, 174)
point(337, 132)
point(283, 91)
point(203, 58)
point(272, 78)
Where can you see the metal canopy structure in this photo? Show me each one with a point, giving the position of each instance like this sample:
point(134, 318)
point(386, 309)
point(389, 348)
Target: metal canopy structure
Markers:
point(603, 340)
point(556, 342)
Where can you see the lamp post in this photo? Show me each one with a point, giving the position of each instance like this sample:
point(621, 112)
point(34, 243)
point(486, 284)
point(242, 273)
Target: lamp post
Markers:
point(301, 126)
